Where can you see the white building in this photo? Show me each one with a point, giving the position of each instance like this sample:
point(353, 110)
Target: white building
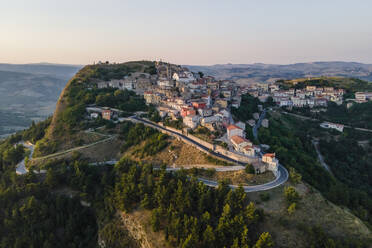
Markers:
point(233, 130)
point(338, 127)
point(242, 145)
point(191, 121)
point(210, 120)
point(271, 162)
point(240, 124)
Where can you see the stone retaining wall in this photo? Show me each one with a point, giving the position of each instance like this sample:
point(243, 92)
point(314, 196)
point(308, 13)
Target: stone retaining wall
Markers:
point(212, 147)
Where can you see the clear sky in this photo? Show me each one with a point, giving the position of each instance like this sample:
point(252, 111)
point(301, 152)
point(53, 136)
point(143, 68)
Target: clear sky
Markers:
point(185, 32)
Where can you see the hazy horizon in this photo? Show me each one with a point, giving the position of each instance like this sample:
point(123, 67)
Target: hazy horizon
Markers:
point(193, 33)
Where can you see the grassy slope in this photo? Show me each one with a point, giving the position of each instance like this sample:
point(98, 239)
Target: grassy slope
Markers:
point(58, 131)
point(313, 210)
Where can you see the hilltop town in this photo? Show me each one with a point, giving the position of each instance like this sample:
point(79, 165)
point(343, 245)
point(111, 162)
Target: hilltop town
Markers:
point(201, 107)
point(197, 105)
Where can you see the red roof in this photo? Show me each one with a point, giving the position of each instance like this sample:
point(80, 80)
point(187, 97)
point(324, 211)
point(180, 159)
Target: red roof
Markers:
point(271, 155)
point(238, 139)
point(231, 127)
point(248, 147)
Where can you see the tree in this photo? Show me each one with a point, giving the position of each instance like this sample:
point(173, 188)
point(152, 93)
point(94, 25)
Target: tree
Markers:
point(189, 242)
point(292, 208)
point(208, 237)
point(50, 179)
point(201, 74)
point(155, 220)
point(265, 241)
point(294, 176)
point(291, 195)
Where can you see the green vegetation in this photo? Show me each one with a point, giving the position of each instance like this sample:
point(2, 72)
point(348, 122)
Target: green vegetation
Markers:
point(249, 169)
point(177, 124)
point(187, 211)
point(291, 138)
point(351, 85)
point(190, 213)
point(287, 137)
point(10, 154)
point(294, 176)
point(248, 106)
point(134, 134)
point(351, 164)
point(358, 115)
point(81, 91)
point(37, 131)
point(291, 195)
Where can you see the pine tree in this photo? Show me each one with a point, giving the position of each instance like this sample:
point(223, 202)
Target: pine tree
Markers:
point(265, 241)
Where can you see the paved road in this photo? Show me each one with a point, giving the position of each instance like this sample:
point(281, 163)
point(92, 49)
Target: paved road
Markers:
point(21, 166)
point(281, 177)
point(320, 157)
point(258, 124)
point(74, 149)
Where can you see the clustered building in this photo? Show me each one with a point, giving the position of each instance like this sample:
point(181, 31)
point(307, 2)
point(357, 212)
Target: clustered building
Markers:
point(311, 96)
point(179, 94)
point(198, 101)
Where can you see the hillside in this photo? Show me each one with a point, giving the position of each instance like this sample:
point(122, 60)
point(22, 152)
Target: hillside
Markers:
point(133, 201)
point(80, 91)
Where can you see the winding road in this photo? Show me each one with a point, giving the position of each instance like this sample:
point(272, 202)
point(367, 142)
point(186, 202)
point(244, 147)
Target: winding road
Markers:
point(281, 176)
point(21, 166)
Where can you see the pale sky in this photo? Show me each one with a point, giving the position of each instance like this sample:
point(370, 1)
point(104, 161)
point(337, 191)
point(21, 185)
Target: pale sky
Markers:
point(185, 32)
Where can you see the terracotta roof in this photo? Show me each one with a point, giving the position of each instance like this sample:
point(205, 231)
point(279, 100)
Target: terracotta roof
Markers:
point(271, 155)
point(238, 139)
point(247, 148)
point(230, 127)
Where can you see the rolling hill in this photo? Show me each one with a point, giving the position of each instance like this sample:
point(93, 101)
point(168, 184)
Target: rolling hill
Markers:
point(246, 73)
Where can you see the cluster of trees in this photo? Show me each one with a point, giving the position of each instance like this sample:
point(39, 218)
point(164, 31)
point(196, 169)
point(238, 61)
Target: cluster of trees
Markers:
point(10, 154)
point(81, 91)
point(288, 138)
point(32, 216)
point(358, 115)
point(291, 138)
point(351, 164)
point(292, 198)
point(118, 71)
point(125, 100)
point(190, 213)
point(177, 124)
point(36, 131)
point(248, 106)
point(134, 134)
point(35, 213)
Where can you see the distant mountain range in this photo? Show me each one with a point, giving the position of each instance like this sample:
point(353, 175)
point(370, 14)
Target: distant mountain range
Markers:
point(247, 73)
point(30, 92)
